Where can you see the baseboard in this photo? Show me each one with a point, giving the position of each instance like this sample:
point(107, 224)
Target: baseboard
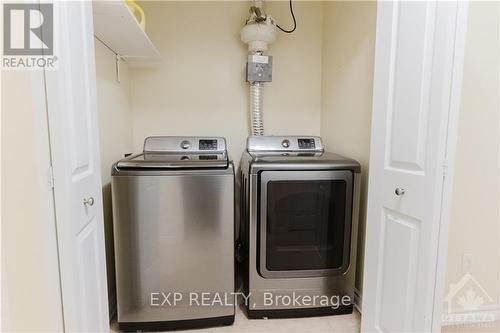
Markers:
point(484, 314)
point(357, 299)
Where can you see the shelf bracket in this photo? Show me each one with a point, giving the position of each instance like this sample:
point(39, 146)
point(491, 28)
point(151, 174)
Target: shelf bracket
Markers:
point(117, 59)
point(117, 66)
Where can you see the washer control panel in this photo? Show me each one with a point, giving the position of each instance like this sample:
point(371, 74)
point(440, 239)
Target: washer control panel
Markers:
point(208, 144)
point(185, 144)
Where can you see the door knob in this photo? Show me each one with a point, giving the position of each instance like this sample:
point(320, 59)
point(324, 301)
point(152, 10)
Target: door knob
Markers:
point(399, 191)
point(88, 201)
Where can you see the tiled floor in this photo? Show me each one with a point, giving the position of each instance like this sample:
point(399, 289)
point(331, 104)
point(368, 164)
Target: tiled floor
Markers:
point(344, 324)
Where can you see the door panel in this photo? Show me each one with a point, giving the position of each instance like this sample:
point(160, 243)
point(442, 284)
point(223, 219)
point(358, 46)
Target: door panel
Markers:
point(72, 112)
point(400, 235)
point(409, 86)
point(87, 245)
point(78, 103)
point(414, 59)
point(305, 223)
point(171, 232)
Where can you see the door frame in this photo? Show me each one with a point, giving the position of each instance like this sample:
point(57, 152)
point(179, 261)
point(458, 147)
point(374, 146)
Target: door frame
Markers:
point(449, 161)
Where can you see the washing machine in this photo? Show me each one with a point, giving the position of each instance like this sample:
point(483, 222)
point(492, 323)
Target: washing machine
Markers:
point(173, 222)
point(299, 218)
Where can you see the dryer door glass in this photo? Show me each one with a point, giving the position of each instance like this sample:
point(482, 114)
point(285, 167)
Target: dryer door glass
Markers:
point(307, 225)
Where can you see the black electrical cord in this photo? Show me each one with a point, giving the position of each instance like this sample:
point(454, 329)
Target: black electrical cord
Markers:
point(294, 22)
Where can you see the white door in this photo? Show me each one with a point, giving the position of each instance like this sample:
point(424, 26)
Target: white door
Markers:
point(415, 69)
point(71, 100)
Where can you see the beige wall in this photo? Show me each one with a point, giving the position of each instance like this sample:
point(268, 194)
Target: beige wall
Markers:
point(199, 88)
point(30, 275)
point(115, 130)
point(475, 217)
point(30, 278)
point(348, 54)
point(324, 88)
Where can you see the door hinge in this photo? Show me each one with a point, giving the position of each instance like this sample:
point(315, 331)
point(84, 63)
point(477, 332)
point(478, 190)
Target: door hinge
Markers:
point(51, 177)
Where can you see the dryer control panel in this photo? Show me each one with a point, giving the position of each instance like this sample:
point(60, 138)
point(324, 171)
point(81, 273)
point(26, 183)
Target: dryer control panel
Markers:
point(284, 143)
point(306, 143)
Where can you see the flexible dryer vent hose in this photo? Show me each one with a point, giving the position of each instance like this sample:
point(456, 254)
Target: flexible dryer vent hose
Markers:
point(256, 108)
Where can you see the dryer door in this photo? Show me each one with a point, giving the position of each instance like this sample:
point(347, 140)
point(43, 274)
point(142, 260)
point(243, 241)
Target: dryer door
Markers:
point(305, 223)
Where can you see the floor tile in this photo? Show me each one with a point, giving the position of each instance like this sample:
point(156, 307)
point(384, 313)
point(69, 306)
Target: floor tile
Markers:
point(344, 323)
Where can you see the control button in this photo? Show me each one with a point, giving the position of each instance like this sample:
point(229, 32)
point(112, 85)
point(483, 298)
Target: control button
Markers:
point(185, 144)
point(285, 143)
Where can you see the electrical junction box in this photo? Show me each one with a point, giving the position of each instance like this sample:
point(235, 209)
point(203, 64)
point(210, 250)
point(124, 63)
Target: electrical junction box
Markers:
point(259, 68)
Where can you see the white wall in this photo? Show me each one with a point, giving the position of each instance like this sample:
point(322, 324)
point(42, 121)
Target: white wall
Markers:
point(475, 216)
point(348, 56)
point(199, 88)
point(115, 130)
point(30, 275)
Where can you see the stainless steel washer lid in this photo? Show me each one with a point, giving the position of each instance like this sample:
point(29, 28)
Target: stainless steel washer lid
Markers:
point(179, 152)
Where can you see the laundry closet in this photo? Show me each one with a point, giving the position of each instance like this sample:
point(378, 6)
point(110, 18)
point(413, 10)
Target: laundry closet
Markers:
point(375, 82)
point(322, 80)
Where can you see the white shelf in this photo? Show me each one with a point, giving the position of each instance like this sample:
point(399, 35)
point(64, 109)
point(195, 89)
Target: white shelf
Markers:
point(117, 27)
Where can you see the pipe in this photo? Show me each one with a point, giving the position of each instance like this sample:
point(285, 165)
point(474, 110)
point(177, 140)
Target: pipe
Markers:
point(258, 32)
point(256, 108)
